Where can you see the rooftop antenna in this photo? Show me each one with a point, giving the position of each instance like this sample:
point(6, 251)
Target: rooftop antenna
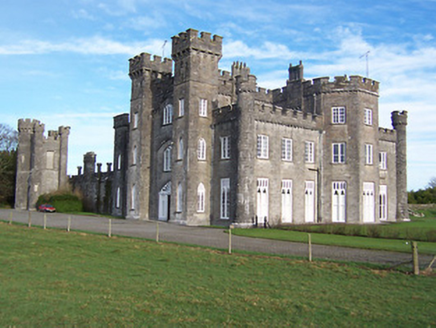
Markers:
point(367, 64)
point(163, 49)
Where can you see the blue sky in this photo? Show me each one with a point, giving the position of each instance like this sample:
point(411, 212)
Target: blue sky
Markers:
point(65, 62)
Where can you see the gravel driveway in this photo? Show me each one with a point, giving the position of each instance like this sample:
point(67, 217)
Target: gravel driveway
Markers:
point(210, 237)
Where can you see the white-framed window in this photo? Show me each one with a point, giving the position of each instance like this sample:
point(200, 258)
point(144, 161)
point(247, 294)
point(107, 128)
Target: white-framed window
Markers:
point(201, 149)
point(168, 114)
point(368, 202)
point(368, 154)
point(367, 119)
point(339, 197)
point(338, 152)
point(132, 197)
point(309, 152)
point(118, 199)
point(203, 107)
point(167, 159)
point(338, 115)
point(135, 120)
point(134, 155)
point(180, 149)
point(225, 147)
point(201, 193)
point(119, 162)
point(262, 146)
point(286, 149)
point(225, 199)
point(181, 107)
point(383, 202)
point(383, 157)
point(179, 207)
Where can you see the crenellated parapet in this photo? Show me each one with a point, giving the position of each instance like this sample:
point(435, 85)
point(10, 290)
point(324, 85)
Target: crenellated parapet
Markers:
point(143, 62)
point(240, 69)
point(340, 84)
point(189, 40)
point(387, 134)
point(30, 126)
point(399, 118)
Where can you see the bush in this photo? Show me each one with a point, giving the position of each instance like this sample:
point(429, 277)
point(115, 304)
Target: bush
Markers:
point(63, 202)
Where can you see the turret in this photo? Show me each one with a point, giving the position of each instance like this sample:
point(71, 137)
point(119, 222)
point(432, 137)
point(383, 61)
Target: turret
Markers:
point(399, 123)
point(89, 163)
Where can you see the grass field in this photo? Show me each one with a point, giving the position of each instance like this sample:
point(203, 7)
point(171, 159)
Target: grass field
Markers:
point(51, 278)
point(337, 235)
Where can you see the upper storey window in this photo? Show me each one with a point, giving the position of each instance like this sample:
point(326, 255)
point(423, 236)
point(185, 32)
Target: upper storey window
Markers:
point(286, 149)
point(181, 107)
point(168, 114)
point(309, 152)
point(201, 149)
point(338, 115)
point(203, 107)
point(225, 147)
point(338, 153)
point(368, 116)
point(262, 146)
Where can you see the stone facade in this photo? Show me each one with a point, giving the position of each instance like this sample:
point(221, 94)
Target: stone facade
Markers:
point(203, 146)
point(41, 162)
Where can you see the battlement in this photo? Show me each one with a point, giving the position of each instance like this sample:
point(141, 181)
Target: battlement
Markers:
point(240, 69)
point(340, 83)
point(64, 130)
point(143, 62)
point(296, 72)
point(121, 120)
point(387, 134)
point(225, 75)
point(189, 40)
point(51, 134)
point(399, 118)
point(30, 126)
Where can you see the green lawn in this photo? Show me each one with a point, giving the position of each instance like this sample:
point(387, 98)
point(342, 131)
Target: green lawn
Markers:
point(51, 278)
point(391, 237)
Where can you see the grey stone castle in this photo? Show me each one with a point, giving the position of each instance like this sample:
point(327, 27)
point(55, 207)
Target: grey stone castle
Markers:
point(203, 146)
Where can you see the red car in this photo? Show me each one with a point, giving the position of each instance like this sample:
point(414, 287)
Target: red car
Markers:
point(46, 208)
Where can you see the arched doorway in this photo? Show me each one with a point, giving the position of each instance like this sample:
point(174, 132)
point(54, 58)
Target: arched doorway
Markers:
point(165, 202)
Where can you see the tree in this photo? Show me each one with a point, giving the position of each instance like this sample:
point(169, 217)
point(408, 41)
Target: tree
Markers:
point(8, 138)
point(432, 183)
point(8, 164)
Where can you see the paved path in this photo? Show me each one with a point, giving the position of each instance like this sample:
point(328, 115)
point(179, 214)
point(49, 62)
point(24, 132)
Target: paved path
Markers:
point(210, 237)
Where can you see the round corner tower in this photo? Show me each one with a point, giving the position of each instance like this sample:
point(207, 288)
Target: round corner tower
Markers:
point(399, 123)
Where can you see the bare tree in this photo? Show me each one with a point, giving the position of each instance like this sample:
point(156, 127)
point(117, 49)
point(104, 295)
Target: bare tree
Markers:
point(8, 138)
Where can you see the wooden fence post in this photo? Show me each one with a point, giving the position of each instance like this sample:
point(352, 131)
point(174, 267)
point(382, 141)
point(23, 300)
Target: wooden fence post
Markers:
point(230, 238)
point(415, 258)
point(29, 219)
point(69, 223)
point(10, 218)
point(157, 232)
point(109, 234)
point(45, 221)
point(309, 237)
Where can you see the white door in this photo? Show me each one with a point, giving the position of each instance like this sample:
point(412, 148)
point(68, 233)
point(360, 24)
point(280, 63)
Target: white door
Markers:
point(383, 213)
point(339, 201)
point(262, 201)
point(309, 201)
point(286, 201)
point(368, 202)
point(164, 202)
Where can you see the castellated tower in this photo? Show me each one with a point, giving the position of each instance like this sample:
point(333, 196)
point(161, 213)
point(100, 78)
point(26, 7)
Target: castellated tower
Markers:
point(41, 162)
point(147, 75)
point(350, 142)
point(195, 90)
point(399, 122)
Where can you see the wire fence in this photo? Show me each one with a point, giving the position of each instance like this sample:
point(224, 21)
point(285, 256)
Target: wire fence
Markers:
point(217, 238)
